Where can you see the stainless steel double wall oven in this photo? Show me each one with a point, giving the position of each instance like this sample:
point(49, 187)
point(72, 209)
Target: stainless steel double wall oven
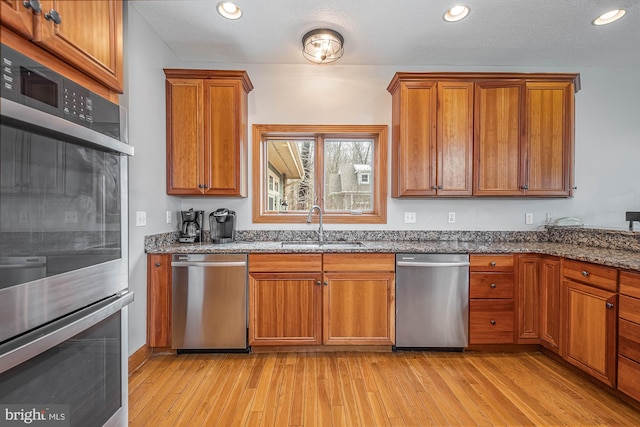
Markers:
point(63, 248)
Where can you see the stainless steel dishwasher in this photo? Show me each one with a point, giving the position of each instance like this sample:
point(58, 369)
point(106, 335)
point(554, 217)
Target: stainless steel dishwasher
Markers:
point(432, 301)
point(209, 306)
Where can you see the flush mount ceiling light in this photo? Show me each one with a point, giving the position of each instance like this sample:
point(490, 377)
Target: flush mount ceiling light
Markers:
point(229, 10)
point(456, 13)
point(609, 17)
point(322, 46)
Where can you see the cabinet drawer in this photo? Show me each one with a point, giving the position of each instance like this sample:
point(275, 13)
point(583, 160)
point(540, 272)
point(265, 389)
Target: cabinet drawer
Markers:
point(629, 377)
point(629, 308)
point(491, 285)
point(630, 284)
point(629, 339)
point(285, 262)
point(491, 262)
point(491, 321)
point(359, 262)
point(592, 274)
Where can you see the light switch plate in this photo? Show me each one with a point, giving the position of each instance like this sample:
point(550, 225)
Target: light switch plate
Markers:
point(452, 217)
point(528, 218)
point(141, 218)
point(168, 217)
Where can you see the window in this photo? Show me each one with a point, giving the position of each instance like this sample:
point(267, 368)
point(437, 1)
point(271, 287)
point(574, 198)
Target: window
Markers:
point(341, 168)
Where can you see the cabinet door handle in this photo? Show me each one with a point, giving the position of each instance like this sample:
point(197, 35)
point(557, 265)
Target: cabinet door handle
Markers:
point(157, 264)
point(493, 285)
point(610, 305)
point(440, 187)
point(493, 322)
point(33, 4)
point(585, 273)
point(206, 186)
point(54, 16)
point(434, 187)
point(318, 283)
point(492, 263)
point(326, 283)
point(200, 186)
point(525, 187)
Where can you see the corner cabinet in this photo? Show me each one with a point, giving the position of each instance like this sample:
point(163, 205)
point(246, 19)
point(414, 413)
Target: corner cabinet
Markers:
point(207, 132)
point(84, 34)
point(483, 134)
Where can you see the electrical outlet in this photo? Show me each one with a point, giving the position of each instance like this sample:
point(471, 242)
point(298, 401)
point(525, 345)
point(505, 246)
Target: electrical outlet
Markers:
point(24, 217)
point(452, 217)
point(409, 217)
point(168, 217)
point(528, 218)
point(549, 218)
point(70, 217)
point(141, 218)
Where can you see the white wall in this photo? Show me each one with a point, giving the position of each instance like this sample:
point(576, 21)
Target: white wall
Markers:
point(145, 57)
point(607, 146)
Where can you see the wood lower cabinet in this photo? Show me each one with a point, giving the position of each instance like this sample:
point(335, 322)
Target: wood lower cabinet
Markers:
point(528, 299)
point(629, 335)
point(352, 304)
point(590, 311)
point(207, 132)
point(159, 300)
point(550, 325)
point(491, 299)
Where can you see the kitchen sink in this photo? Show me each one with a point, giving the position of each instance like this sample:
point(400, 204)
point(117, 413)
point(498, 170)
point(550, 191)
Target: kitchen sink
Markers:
point(331, 244)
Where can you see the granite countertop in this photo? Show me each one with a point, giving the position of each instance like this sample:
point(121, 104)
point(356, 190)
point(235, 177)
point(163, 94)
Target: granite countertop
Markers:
point(611, 257)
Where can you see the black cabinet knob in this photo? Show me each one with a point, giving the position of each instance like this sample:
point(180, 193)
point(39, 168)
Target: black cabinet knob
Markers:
point(492, 263)
point(33, 4)
point(158, 264)
point(493, 285)
point(610, 305)
point(493, 322)
point(54, 16)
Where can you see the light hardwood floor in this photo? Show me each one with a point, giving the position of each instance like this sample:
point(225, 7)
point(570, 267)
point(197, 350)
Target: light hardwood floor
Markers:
point(368, 389)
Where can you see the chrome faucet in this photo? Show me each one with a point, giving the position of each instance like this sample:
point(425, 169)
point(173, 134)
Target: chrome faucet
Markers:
point(320, 232)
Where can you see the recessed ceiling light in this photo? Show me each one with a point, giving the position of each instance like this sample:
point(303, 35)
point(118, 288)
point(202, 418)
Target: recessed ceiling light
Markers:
point(456, 13)
point(609, 17)
point(229, 10)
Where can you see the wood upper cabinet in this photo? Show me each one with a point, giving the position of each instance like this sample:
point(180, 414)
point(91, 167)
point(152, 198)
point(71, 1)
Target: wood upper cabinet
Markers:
point(88, 36)
point(590, 325)
point(432, 138)
point(17, 17)
point(483, 134)
point(207, 132)
point(549, 138)
point(498, 138)
point(550, 326)
point(159, 300)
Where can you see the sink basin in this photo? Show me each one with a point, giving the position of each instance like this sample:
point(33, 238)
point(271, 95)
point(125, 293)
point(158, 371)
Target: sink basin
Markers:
point(331, 244)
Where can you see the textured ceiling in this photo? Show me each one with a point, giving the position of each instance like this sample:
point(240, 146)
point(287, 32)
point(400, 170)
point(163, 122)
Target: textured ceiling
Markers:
point(549, 33)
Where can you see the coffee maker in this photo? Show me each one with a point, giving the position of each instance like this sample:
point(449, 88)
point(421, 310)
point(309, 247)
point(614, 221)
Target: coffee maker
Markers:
point(191, 230)
point(222, 223)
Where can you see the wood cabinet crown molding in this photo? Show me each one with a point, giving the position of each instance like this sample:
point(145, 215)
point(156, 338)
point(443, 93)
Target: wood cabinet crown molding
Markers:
point(479, 77)
point(185, 73)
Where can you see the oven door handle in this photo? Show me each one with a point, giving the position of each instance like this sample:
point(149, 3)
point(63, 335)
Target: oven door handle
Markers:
point(23, 348)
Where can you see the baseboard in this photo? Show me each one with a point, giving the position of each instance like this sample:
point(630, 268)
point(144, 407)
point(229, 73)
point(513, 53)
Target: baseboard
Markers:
point(138, 358)
point(318, 348)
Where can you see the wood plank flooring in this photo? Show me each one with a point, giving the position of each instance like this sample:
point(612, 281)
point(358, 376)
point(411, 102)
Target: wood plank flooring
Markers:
point(368, 389)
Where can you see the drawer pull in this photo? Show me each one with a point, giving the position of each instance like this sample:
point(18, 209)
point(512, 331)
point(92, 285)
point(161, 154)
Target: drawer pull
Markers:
point(493, 322)
point(157, 264)
point(585, 273)
point(493, 285)
point(492, 263)
point(610, 305)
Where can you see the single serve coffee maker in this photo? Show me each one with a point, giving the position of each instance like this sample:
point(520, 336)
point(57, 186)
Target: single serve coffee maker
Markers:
point(191, 230)
point(222, 223)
